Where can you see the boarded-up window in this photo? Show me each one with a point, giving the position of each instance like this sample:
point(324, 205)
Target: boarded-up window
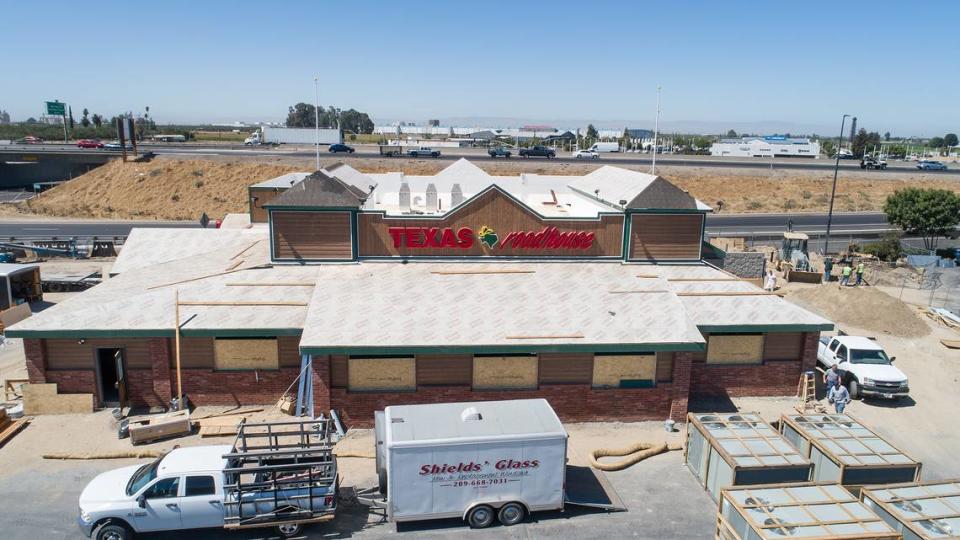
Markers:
point(566, 368)
point(783, 346)
point(195, 352)
point(367, 374)
point(245, 354)
point(289, 350)
point(664, 366)
point(504, 372)
point(338, 371)
point(665, 236)
point(444, 369)
point(312, 235)
point(735, 349)
point(624, 370)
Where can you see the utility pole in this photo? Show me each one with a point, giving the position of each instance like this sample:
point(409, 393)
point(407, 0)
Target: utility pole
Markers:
point(656, 132)
point(316, 115)
point(833, 192)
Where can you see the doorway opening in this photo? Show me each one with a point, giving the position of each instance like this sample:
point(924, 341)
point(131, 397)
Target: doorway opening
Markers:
point(112, 382)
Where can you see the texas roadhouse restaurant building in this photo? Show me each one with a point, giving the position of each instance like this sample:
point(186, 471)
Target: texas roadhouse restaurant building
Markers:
point(590, 291)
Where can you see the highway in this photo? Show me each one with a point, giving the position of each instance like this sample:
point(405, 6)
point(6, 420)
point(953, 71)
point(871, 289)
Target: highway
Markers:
point(477, 154)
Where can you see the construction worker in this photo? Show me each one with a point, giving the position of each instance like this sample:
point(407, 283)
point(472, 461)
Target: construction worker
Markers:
point(827, 269)
point(839, 396)
point(860, 272)
point(845, 274)
point(831, 376)
point(771, 283)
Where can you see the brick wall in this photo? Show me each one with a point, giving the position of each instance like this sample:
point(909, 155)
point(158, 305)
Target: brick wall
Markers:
point(141, 390)
point(162, 387)
point(33, 351)
point(680, 391)
point(208, 387)
point(772, 378)
point(572, 402)
point(74, 382)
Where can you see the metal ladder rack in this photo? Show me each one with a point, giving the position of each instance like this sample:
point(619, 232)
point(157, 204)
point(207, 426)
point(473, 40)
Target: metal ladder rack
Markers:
point(280, 472)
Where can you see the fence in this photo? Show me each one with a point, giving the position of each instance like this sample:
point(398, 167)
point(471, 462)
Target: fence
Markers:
point(929, 286)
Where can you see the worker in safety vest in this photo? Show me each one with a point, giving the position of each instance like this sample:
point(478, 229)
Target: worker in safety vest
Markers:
point(860, 270)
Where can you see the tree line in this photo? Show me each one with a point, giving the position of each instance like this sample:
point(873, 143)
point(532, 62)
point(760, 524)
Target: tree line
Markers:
point(305, 115)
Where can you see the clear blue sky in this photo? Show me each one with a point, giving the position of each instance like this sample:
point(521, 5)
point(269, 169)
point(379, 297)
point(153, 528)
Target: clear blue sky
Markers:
point(894, 65)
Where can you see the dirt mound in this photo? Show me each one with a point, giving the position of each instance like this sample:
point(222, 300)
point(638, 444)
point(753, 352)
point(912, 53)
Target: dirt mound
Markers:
point(161, 189)
point(862, 307)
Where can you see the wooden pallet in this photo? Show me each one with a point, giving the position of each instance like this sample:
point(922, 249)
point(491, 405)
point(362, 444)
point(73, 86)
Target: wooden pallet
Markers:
point(12, 429)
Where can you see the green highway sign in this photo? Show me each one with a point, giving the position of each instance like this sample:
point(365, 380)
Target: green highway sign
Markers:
point(56, 108)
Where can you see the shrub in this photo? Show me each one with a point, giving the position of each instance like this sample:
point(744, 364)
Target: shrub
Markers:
point(754, 205)
point(175, 197)
point(887, 249)
point(806, 194)
point(198, 184)
point(789, 204)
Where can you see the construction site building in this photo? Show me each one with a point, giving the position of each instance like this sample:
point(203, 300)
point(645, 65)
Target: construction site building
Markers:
point(590, 291)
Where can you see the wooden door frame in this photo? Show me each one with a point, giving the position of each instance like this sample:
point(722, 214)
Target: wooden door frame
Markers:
point(99, 374)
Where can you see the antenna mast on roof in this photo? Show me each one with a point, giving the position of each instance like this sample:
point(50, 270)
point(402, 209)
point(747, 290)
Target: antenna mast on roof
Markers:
point(656, 131)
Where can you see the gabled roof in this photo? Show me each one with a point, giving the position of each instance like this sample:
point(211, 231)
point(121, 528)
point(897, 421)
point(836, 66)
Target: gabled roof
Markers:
point(319, 190)
point(663, 195)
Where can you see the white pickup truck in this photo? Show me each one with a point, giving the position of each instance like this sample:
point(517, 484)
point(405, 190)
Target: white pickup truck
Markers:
point(272, 476)
point(865, 368)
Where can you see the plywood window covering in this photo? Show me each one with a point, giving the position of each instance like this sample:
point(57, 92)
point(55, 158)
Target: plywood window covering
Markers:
point(566, 368)
point(783, 346)
point(444, 369)
point(505, 372)
point(624, 370)
point(366, 374)
point(664, 366)
point(735, 349)
point(665, 236)
point(245, 354)
point(317, 235)
point(195, 352)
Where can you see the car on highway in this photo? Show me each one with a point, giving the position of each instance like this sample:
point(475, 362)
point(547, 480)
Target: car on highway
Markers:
point(424, 151)
point(586, 154)
point(538, 151)
point(115, 145)
point(499, 151)
point(872, 163)
point(89, 143)
point(337, 148)
point(29, 139)
point(931, 165)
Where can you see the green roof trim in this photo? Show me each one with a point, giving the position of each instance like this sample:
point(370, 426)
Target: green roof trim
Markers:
point(199, 332)
point(504, 349)
point(764, 328)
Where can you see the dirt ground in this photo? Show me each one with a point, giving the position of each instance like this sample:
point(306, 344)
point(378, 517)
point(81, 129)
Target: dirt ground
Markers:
point(863, 307)
point(176, 189)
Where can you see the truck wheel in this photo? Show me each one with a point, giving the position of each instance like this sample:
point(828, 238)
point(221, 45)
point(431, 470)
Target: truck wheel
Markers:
point(511, 514)
point(480, 517)
point(854, 390)
point(112, 531)
point(288, 530)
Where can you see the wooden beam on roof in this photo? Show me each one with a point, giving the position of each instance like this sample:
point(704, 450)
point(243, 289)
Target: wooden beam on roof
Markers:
point(728, 293)
point(706, 279)
point(241, 303)
point(205, 276)
point(550, 336)
point(648, 276)
point(479, 272)
point(244, 250)
point(273, 284)
point(639, 291)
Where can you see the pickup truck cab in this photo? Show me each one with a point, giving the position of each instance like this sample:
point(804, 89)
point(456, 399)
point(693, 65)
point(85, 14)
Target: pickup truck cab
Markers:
point(864, 366)
point(539, 151)
point(424, 151)
point(233, 487)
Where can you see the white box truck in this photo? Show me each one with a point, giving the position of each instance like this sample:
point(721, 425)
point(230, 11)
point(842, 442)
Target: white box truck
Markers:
point(606, 147)
point(286, 135)
point(477, 461)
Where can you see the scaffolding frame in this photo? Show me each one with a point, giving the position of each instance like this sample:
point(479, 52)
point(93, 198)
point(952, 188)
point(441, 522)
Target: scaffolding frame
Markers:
point(829, 494)
point(271, 459)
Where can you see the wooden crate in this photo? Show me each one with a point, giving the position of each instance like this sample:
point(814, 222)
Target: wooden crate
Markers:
point(159, 427)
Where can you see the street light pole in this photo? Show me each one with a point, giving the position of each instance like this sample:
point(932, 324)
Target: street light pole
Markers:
point(316, 113)
point(833, 192)
point(656, 132)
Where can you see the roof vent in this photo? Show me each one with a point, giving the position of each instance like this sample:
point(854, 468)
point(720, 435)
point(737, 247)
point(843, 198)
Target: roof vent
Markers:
point(470, 414)
point(456, 195)
point(404, 196)
point(431, 197)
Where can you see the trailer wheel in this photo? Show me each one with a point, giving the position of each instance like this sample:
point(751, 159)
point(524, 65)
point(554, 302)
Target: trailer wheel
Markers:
point(288, 530)
point(480, 516)
point(511, 514)
point(112, 531)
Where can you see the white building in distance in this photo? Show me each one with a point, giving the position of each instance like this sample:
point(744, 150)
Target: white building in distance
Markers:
point(769, 146)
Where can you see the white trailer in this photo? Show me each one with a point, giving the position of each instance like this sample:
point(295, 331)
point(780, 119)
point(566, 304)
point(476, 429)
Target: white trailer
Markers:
point(286, 135)
point(476, 461)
